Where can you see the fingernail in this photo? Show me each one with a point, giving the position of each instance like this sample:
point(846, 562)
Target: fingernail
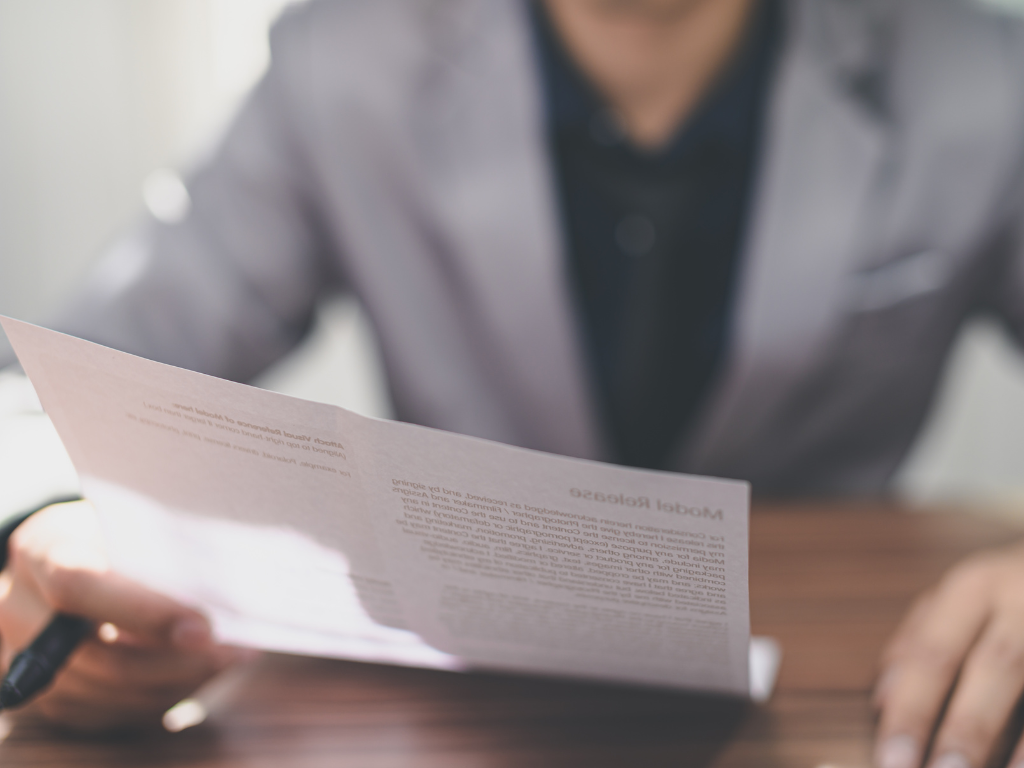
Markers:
point(898, 752)
point(191, 633)
point(951, 760)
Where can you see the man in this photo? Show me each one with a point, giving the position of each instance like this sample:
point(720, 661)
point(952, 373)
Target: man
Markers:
point(734, 237)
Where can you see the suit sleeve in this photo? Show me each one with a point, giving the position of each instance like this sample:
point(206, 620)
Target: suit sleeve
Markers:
point(233, 285)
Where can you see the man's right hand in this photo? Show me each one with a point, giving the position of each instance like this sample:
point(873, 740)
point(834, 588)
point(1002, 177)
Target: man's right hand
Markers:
point(149, 652)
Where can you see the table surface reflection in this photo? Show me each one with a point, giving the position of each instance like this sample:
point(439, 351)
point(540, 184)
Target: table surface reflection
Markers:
point(829, 582)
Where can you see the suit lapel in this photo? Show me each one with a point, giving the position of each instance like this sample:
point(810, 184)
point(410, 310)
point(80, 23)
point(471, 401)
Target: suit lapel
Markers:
point(486, 171)
point(822, 155)
point(483, 151)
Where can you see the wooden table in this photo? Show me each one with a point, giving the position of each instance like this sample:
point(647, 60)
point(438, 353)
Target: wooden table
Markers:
point(829, 582)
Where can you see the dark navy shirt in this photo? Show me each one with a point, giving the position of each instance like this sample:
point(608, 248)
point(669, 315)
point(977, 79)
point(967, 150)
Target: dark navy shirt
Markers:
point(654, 237)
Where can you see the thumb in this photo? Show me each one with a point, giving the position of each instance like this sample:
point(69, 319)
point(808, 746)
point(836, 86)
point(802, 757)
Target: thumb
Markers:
point(107, 597)
point(60, 553)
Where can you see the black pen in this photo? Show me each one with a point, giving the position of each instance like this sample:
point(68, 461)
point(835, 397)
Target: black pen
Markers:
point(34, 668)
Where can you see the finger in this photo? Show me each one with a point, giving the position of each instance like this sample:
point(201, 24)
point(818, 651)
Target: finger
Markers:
point(897, 646)
point(109, 597)
point(59, 554)
point(989, 687)
point(22, 615)
point(68, 533)
point(131, 667)
point(928, 665)
point(909, 627)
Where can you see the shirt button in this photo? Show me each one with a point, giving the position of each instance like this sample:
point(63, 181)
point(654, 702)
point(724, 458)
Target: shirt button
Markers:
point(635, 235)
point(605, 130)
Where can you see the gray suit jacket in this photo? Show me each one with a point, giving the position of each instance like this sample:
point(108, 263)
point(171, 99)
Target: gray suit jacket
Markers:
point(396, 149)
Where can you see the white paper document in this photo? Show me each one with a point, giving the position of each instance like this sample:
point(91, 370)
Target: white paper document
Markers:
point(305, 528)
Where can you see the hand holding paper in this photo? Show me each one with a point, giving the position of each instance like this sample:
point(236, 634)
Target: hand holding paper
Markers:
point(162, 652)
point(303, 527)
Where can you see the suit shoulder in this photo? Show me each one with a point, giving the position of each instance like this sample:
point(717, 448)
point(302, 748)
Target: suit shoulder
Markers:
point(957, 29)
point(338, 17)
point(924, 61)
point(366, 27)
point(971, 49)
point(354, 49)
point(378, 57)
point(884, 31)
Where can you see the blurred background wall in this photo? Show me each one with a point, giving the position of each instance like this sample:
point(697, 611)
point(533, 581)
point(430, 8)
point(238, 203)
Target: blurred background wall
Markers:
point(98, 98)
